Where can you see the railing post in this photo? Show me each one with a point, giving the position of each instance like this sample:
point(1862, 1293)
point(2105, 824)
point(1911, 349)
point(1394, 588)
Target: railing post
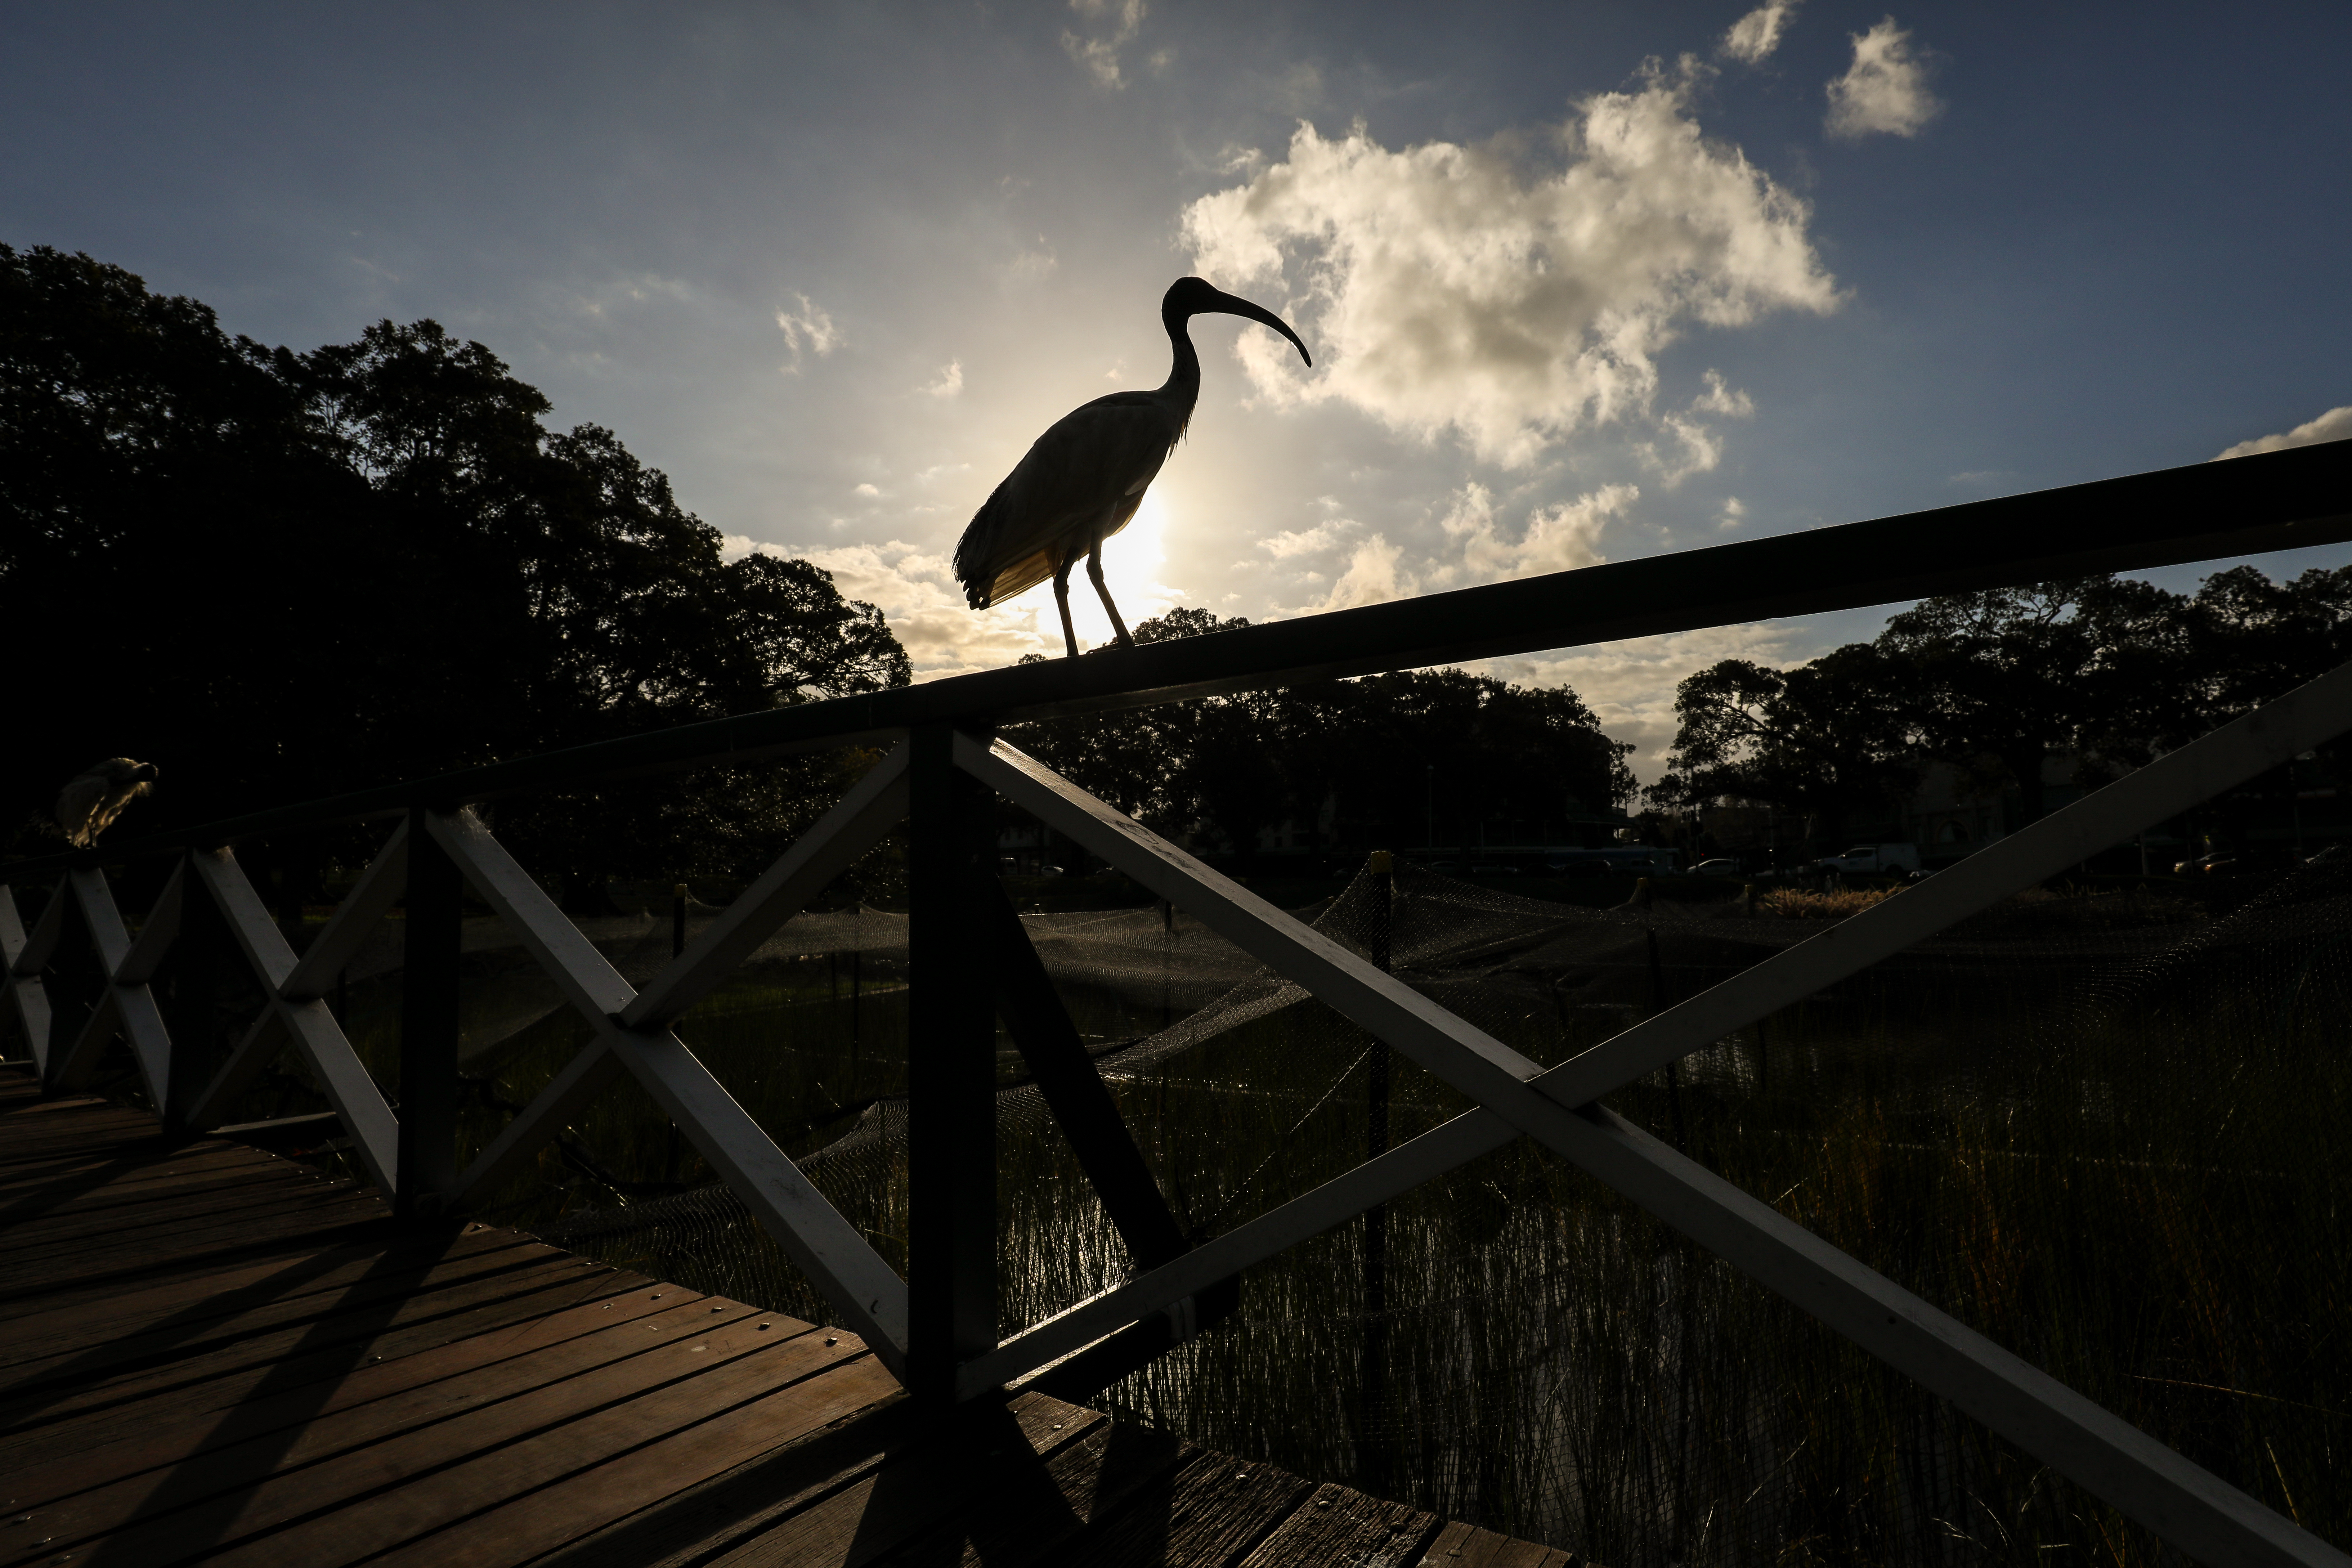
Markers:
point(192, 999)
point(430, 950)
point(950, 1080)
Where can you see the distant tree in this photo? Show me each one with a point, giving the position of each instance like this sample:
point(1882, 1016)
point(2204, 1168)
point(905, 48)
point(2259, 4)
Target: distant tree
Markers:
point(1368, 750)
point(282, 576)
point(2112, 670)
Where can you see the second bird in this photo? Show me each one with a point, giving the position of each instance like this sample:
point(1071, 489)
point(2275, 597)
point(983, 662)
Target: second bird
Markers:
point(1084, 479)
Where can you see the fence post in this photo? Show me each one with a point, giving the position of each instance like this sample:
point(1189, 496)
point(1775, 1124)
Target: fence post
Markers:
point(950, 1080)
point(1371, 1450)
point(431, 947)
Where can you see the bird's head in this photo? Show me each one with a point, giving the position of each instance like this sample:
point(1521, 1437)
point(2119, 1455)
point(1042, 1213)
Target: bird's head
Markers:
point(1189, 297)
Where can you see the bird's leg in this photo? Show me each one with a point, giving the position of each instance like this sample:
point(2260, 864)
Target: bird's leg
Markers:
point(1061, 600)
point(1094, 571)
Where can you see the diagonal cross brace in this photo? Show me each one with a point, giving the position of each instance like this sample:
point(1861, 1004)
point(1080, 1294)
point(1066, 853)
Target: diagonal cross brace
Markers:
point(1090, 1118)
point(2187, 1505)
point(824, 1245)
point(359, 1103)
point(870, 809)
point(32, 1001)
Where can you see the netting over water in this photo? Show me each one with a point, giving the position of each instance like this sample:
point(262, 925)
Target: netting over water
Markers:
point(2105, 1130)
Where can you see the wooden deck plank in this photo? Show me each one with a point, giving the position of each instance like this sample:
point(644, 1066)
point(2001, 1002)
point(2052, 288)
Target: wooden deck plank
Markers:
point(1340, 1525)
point(227, 1292)
point(320, 1225)
point(1021, 1522)
point(1467, 1546)
point(345, 1332)
point(1210, 1509)
point(167, 1226)
point(555, 1515)
point(17, 1181)
point(78, 1431)
point(96, 1353)
point(412, 1485)
point(153, 1446)
point(69, 1200)
point(210, 1352)
point(221, 1467)
point(190, 1276)
point(915, 1491)
point(291, 1213)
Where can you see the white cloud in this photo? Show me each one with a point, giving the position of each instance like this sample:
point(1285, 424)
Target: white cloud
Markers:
point(1757, 33)
point(1306, 541)
point(811, 331)
point(1447, 288)
point(1371, 578)
point(1734, 510)
point(2335, 424)
point(951, 381)
point(1100, 56)
point(867, 490)
point(1696, 447)
point(1557, 538)
point(1886, 89)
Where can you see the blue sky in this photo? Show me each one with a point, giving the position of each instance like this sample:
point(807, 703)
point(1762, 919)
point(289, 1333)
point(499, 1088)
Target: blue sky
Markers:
point(1584, 282)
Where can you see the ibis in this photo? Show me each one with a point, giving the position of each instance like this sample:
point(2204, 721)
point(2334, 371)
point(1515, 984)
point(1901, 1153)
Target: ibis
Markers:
point(1083, 479)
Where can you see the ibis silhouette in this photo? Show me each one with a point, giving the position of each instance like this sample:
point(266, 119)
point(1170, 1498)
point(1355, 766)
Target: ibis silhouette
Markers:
point(1084, 479)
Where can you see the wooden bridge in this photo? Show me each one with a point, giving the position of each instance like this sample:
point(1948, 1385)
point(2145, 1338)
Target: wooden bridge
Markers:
point(219, 1356)
point(215, 1355)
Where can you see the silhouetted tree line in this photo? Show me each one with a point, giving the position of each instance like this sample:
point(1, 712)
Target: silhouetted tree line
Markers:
point(281, 575)
point(1390, 761)
point(2111, 670)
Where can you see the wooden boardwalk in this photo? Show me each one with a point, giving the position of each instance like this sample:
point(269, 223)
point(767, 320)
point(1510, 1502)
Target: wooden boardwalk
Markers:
point(213, 1355)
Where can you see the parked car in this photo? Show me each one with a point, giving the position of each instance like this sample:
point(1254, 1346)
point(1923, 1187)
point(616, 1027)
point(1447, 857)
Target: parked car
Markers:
point(1872, 860)
point(1719, 867)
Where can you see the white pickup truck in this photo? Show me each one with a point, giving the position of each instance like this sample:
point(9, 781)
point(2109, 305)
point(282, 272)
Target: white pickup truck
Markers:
point(1873, 860)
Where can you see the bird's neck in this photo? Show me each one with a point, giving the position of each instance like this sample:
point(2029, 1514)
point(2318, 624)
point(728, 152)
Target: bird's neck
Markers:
point(1183, 387)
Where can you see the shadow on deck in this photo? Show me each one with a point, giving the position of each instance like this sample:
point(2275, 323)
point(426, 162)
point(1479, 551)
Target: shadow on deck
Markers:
point(213, 1355)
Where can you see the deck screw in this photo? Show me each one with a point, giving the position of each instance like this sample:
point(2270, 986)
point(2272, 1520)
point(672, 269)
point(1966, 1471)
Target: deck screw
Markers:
point(763, 1325)
point(717, 1308)
point(829, 1339)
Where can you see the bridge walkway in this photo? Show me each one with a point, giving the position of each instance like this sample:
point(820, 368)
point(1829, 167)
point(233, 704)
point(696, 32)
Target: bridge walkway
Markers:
point(210, 1353)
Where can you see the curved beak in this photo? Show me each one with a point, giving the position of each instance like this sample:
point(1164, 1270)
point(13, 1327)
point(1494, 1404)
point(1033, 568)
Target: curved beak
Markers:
point(1234, 305)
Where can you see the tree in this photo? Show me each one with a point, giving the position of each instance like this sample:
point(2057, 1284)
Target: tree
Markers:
point(1518, 760)
point(282, 576)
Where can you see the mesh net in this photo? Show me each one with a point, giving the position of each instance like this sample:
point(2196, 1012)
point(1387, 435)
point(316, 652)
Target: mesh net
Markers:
point(2104, 1127)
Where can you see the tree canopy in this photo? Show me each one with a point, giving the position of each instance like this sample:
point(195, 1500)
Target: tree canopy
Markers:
point(2110, 671)
point(1434, 757)
point(282, 575)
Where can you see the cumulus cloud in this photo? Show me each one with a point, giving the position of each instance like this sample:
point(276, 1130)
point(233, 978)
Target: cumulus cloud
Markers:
point(1099, 55)
point(1557, 538)
point(1757, 33)
point(1886, 89)
point(1449, 287)
point(1734, 512)
point(1371, 578)
point(1694, 447)
point(2335, 424)
point(949, 382)
point(810, 330)
point(1306, 541)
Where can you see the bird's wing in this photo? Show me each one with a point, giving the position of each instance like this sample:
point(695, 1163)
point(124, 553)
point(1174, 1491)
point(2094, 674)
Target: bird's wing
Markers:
point(1078, 481)
point(77, 802)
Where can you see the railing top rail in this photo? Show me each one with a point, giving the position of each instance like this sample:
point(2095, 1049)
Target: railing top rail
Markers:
point(2277, 500)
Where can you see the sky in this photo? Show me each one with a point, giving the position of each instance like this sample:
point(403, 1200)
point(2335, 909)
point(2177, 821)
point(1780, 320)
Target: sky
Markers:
point(1582, 283)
